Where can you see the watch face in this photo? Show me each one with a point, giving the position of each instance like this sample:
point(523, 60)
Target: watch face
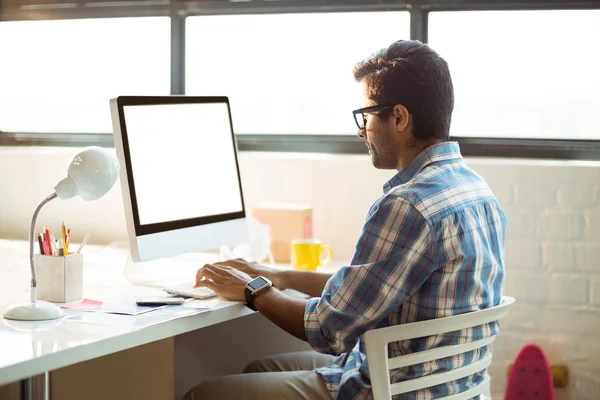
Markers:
point(257, 283)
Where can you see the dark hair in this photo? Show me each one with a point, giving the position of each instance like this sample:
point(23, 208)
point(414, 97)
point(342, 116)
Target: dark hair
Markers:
point(412, 74)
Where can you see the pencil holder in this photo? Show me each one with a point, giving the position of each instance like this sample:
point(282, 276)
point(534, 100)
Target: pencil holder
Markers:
point(59, 279)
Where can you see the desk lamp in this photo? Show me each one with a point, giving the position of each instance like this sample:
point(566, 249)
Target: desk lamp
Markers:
point(92, 172)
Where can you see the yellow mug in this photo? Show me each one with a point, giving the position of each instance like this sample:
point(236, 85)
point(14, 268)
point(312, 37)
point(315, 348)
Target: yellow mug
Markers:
point(308, 254)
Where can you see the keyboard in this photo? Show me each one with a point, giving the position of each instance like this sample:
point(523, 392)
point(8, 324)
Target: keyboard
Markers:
point(187, 290)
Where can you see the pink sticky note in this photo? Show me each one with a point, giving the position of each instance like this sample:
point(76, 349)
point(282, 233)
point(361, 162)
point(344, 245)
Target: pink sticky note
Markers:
point(85, 304)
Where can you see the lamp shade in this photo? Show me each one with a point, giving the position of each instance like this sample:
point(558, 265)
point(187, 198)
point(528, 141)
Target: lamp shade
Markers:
point(91, 174)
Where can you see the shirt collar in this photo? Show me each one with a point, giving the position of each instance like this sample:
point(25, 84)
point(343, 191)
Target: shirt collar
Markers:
point(437, 152)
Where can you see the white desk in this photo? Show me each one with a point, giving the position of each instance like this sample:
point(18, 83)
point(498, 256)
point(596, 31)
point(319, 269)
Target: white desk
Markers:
point(32, 348)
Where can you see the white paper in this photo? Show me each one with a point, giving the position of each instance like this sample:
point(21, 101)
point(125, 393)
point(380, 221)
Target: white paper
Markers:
point(123, 303)
point(139, 321)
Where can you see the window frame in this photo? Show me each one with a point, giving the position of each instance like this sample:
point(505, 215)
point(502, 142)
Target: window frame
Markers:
point(179, 10)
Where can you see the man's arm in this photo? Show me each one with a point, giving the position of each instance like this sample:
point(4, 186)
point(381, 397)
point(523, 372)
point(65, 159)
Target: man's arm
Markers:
point(285, 311)
point(309, 282)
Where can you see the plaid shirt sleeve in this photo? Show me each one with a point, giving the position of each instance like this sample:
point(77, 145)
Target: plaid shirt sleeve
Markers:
point(393, 258)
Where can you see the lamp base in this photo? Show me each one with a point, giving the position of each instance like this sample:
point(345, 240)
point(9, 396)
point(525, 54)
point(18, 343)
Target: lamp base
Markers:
point(38, 311)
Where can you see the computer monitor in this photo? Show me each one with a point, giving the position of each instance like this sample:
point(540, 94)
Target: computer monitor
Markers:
point(179, 174)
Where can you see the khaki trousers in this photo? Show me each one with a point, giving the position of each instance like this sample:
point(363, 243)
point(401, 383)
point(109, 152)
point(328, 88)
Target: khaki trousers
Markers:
point(289, 376)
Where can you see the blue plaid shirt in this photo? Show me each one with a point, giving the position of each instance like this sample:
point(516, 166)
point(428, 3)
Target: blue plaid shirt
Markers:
point(432, 246)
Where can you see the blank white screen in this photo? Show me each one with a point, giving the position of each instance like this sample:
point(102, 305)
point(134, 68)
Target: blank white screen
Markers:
point(183, 161)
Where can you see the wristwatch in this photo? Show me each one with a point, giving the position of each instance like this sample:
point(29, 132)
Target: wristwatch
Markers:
point(254, 288)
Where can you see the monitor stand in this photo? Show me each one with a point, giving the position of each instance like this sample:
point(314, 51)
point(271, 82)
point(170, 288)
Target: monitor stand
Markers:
point(167, 271)
point(182, 269)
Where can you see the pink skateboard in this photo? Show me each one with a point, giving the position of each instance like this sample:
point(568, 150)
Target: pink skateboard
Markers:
point(530, 377)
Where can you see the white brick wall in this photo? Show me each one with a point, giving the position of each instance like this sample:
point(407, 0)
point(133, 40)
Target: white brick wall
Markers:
point(578, 195)
point(559, 256)
point(523, 253)
point(553, 244)
point(595, 291)
point(569, 289)
point(552, 268)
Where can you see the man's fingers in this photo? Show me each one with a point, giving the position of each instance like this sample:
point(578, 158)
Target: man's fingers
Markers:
point(206, 283)
point(226, 263)
point(214, 268)
point(223, 266)
point(235, 266)
point(234, 263)
point(208, 279)
point(218, 269)
point(209, 272)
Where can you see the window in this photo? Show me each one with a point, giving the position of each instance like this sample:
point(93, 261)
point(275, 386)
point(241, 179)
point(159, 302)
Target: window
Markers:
point(287, 73)
point(59, 76)
point(525, 72)
point(522, 74)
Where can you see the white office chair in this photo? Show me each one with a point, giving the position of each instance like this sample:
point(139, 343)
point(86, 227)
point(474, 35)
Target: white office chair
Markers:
point(380, 364)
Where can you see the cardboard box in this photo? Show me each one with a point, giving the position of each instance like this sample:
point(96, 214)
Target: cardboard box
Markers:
point(287, 222)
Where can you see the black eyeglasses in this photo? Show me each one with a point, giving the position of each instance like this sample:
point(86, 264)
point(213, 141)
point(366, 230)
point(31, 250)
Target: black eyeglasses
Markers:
point(361, 119)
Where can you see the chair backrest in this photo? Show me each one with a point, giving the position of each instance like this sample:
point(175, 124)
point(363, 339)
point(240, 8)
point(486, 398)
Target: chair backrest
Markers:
point(377, 340)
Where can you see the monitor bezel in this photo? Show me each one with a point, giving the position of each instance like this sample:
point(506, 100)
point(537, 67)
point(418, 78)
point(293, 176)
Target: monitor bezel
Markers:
point(148, 229)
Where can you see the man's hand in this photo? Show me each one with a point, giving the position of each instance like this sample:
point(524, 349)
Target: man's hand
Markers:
point(229, 278)
point(229, 283)
point(254, 269)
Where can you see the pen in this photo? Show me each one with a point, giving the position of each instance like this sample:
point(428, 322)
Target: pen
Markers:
point(85, 239)
point(41, 243)
point(68, 237)
point(45, 244)
point(49, 239)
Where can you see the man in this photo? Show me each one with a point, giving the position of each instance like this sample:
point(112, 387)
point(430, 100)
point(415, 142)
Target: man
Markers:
point(432, 246)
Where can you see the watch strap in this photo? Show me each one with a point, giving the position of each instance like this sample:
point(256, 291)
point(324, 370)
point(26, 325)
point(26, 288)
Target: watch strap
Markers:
point(249, 299)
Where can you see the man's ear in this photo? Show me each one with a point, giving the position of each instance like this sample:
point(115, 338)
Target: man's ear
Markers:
point(401, 117)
